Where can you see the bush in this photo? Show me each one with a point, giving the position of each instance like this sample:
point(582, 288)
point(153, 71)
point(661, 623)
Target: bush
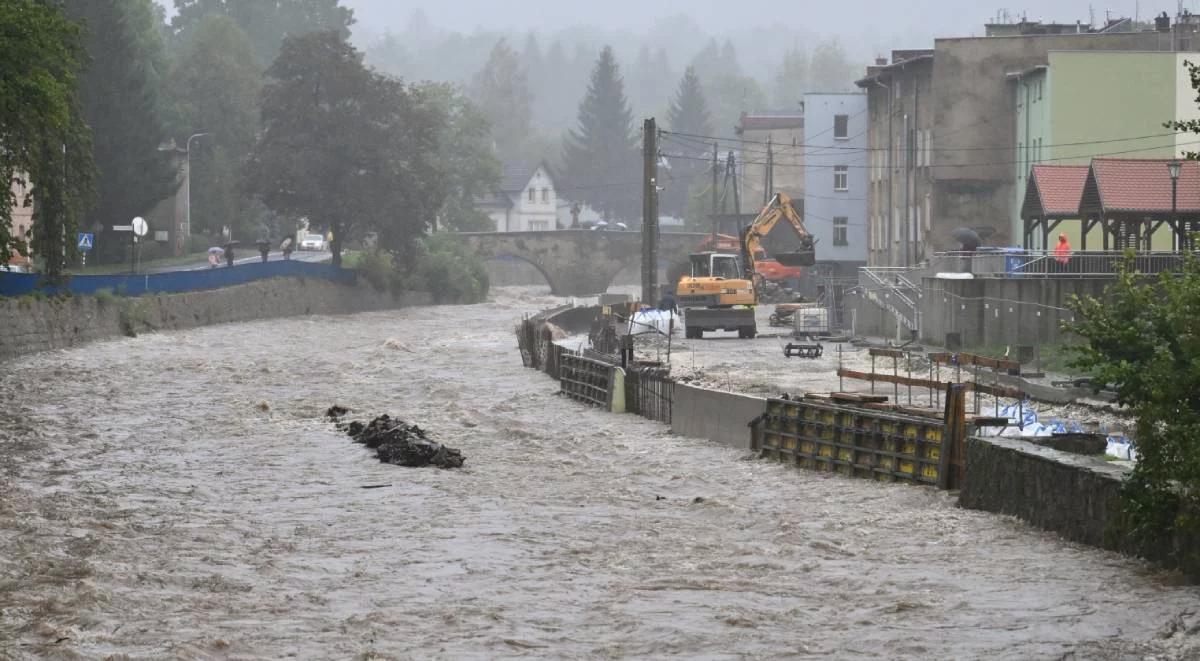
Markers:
point(1143, 340)
point(451, 272)
point(376, 268)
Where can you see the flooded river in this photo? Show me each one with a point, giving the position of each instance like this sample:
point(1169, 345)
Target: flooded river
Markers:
point(179, 496)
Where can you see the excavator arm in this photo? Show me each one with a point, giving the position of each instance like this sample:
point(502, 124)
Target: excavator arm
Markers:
point(778, 209)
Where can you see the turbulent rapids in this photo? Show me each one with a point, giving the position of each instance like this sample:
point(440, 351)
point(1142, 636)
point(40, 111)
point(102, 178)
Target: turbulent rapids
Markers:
point(183, 495)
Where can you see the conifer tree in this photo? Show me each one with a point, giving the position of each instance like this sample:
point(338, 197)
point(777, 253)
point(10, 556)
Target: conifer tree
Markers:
point(601, 163)
point(501, 91)
point(688, 114)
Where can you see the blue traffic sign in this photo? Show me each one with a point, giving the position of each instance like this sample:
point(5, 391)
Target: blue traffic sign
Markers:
point(85, 241)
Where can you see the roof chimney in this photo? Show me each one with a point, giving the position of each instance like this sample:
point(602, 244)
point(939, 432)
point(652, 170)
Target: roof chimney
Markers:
point(881, 61)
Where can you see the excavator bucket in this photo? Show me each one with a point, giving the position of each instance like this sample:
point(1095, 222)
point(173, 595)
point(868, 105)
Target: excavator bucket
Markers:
point(797, 258)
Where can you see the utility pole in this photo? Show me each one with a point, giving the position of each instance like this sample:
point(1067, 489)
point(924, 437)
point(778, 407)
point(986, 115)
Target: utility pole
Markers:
point(908, 165)
point(715, 196)
point(767, 174)
point(737, 196)
point(650, 212)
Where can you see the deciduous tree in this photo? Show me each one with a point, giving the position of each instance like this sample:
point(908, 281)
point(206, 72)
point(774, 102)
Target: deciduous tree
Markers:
point(215, 83)
point(124, 103)
point(266, 22)
point(465, 156)
point(46, 144)
point(348, 148)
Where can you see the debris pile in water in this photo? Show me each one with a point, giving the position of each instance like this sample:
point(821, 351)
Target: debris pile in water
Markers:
point(396, 441)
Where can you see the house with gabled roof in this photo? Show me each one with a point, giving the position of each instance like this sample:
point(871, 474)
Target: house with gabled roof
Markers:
point(524, 201)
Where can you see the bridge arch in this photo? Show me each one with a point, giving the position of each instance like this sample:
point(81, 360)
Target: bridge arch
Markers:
point(578, 262)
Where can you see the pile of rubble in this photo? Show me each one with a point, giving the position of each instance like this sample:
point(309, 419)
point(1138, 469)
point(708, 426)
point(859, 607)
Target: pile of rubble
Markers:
point(396, 441)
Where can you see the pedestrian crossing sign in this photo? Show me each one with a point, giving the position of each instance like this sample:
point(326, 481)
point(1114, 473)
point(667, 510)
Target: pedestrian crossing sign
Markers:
point(85, 241)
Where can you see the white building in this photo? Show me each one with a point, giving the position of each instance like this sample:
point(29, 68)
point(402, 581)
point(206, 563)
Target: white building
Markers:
point(525, 200)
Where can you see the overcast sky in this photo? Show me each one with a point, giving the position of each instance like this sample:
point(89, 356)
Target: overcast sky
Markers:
point(847, 17)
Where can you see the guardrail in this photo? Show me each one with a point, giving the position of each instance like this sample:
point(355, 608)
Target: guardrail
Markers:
point(175, 282)
point(886, 287)
point(1015, 263)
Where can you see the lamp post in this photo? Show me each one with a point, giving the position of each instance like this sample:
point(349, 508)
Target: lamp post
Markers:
point(186, 230)
point(1174, 168)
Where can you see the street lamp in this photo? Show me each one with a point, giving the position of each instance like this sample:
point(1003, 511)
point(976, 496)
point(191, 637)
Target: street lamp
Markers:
point(187, 216)
point(1174, 168)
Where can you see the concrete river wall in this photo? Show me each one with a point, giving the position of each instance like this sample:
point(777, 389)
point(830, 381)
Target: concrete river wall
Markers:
point(33, 324)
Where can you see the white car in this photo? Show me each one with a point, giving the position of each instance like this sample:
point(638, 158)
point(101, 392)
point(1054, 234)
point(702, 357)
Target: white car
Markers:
point(312, 242)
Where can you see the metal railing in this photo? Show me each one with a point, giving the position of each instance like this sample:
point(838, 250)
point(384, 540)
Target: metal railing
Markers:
point(890, 288)
point(1016, 263)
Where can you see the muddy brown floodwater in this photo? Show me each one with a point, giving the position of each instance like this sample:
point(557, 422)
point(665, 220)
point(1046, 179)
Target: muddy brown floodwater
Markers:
point(178, 495)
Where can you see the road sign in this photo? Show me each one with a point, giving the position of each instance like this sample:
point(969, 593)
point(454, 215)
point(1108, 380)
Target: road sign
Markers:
point(86, 239)
point(122, 228)
point(139, 226)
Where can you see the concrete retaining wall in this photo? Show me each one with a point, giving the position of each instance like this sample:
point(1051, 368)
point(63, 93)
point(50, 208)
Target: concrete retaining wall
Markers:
point(29, 325)
point(721, 417)
point(1067, 493)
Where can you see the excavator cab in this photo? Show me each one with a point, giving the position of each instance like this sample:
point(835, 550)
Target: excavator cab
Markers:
point(716, 265)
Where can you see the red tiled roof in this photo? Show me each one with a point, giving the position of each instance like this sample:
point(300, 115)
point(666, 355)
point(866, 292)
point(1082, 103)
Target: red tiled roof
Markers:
point(1141, 186)
point(770, 122)
point(1059, 188)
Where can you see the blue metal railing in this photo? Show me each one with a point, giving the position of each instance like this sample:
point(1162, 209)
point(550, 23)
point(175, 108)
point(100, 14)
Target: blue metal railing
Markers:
point(175, 282)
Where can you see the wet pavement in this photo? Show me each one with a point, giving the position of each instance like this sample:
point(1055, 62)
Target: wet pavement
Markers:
point(179, 495)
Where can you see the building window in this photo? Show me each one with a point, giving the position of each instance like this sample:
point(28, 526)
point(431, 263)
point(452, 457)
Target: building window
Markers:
point(841, 231)
point(841, 126)
point(532, 194)
point(545, 194)
point(841, 177)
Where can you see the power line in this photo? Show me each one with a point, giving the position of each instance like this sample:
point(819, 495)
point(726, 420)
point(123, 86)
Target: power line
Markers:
point(943, 149)
point(979, 164)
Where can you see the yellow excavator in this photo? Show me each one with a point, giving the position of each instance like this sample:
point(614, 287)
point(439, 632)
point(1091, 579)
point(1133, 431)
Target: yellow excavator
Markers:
point(721, 291)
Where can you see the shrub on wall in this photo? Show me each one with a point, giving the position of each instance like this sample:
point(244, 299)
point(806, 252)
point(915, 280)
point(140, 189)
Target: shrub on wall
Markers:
point(1143, 340)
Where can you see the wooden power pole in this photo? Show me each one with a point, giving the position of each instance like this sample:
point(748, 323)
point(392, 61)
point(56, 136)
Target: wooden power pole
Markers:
point(650, 212)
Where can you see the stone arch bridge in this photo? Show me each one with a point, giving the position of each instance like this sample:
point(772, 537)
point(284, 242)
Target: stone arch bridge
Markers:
point(580, 262)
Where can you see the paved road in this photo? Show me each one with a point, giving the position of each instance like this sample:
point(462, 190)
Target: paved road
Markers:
point(250, 257)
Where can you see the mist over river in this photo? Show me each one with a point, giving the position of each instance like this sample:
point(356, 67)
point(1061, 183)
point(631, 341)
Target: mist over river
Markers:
point(179, 495)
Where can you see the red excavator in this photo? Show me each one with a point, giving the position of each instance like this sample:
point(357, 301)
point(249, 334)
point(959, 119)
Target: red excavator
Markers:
point(768, 268)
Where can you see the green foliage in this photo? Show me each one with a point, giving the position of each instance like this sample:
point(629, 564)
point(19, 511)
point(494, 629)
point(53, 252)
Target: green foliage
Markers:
point(831, 70)
point(1143, 340)
point(376, 268)
point(266, 23)
point(125, 106)
point(791, 79)
point(46, 143)
point(348, 148)
point(465, 157)
point(688, 114)
point(105, 297)
point(600, 158)
point(501, 92)
point(215, 84)
point(450, 271)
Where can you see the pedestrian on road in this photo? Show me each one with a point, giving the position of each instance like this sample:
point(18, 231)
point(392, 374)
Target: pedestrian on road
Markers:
point(264, 249)
point(229, 254)
point(286, 248)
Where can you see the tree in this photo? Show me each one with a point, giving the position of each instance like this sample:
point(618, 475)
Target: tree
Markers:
point(501, 90)
point(215, 83)
point(46, 142)
point(831, 70)
point(465, 156)
point(600, 157)
point(266, 22)
point(1143, 340)
point(791, 80)
point(125, 105)
point(350, 149)
point(730, 96)
point(687, 114)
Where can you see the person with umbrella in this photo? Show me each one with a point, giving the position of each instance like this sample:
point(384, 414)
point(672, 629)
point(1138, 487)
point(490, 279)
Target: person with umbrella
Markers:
point(264, 248)
point(214, 256)
point(968, 238)
point(229, 252)
point(286, 248)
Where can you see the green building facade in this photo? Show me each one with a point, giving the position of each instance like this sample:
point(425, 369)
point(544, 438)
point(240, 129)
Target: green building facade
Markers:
point(1084, 104)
